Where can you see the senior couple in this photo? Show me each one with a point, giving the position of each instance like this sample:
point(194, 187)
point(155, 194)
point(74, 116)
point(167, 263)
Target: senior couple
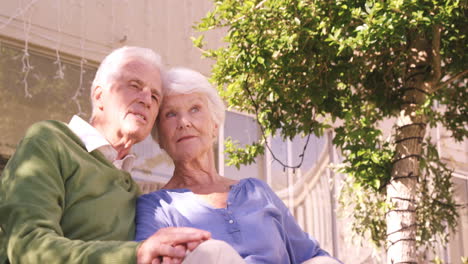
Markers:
point(66, 195)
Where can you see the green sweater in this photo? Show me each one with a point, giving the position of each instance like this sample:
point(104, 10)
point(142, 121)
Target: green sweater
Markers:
point(61, 204)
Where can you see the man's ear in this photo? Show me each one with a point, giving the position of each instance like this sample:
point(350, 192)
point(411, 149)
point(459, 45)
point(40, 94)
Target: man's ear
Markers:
point(97, 96)
point(215, 131)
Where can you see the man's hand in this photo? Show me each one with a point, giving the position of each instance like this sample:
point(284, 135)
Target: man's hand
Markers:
point(170, 243)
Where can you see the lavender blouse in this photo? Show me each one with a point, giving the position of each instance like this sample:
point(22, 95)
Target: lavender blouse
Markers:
point(255, 222)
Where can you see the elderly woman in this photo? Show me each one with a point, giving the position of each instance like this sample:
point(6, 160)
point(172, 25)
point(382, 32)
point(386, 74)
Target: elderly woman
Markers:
point(246, 214)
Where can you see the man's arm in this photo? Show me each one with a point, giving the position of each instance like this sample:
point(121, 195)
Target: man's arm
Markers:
point(32, 201)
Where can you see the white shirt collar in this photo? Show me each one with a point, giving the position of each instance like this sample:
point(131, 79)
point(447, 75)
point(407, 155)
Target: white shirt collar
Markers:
point(87, 133)
point(93, 140)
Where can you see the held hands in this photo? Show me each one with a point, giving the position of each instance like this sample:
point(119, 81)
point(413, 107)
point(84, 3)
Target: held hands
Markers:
point(168, 245)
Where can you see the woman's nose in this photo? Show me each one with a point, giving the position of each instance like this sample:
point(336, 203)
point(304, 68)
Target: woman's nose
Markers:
point(184, 122)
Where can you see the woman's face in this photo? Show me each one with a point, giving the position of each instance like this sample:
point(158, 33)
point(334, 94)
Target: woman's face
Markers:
point(185, 126)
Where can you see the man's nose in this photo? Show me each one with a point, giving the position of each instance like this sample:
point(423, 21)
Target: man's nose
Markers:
point(145, 96)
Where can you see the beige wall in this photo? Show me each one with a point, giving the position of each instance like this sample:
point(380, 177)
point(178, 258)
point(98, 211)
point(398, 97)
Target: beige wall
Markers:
point(91, 28)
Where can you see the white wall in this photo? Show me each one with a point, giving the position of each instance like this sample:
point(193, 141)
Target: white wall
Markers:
point(90, 28)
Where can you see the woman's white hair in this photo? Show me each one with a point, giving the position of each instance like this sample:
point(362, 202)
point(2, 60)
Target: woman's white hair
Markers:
point(186, 81)
point(109, 69)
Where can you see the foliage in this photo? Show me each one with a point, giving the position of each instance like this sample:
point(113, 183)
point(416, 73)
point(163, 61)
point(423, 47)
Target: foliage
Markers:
point(367, 206)
point(367, 155)
point(464, 260)
point(303, 66)
point(246, 155)
point(366, 209)
point(455, 116)
point(435, 198)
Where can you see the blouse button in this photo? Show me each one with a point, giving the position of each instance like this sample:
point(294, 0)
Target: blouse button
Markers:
point(231, 221)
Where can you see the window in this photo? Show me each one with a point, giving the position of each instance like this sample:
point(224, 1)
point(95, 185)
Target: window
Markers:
point(243, 129)
point(458, 245)
point(288, 152)
point(28, 96)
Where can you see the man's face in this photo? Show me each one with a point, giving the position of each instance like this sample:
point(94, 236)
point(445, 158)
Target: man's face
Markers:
point(131, 101)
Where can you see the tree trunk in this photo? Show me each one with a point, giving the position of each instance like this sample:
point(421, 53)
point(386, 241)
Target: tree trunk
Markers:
point(411, 127)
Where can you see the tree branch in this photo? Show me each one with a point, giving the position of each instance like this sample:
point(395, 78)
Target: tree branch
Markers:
point(450, 80)
point(436, 60)
point(259, 4)
point(242, 17)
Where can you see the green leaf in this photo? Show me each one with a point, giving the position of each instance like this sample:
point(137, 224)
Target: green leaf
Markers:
point(198, 42)
point(261, 60)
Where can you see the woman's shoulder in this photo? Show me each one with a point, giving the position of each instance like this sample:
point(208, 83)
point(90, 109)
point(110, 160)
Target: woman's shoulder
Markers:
point(253, 181)
point(254, 184)
point(259, 186)
point(156, 196)
point(169, 192)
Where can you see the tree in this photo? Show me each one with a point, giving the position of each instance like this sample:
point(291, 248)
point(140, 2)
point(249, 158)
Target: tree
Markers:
point(303, 66)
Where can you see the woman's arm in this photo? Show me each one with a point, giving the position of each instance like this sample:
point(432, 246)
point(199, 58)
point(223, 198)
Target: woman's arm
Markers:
point(301, 246)
point(147, 220)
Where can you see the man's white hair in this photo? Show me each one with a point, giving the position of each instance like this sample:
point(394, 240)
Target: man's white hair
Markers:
point(110, 67)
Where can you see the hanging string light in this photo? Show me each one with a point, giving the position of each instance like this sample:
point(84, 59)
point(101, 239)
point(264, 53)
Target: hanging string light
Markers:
point(79, 90)
point(59, 74)
point(19, 12)
point(25, 58)
point(83, 61)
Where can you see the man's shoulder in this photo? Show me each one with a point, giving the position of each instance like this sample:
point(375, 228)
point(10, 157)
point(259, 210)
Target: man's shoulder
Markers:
point(50, 132)
point(47, 128)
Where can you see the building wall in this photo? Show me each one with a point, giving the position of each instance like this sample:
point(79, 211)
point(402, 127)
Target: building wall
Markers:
point(90, 29)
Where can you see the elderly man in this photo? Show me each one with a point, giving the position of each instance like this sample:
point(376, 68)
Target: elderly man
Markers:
point(66, 195)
